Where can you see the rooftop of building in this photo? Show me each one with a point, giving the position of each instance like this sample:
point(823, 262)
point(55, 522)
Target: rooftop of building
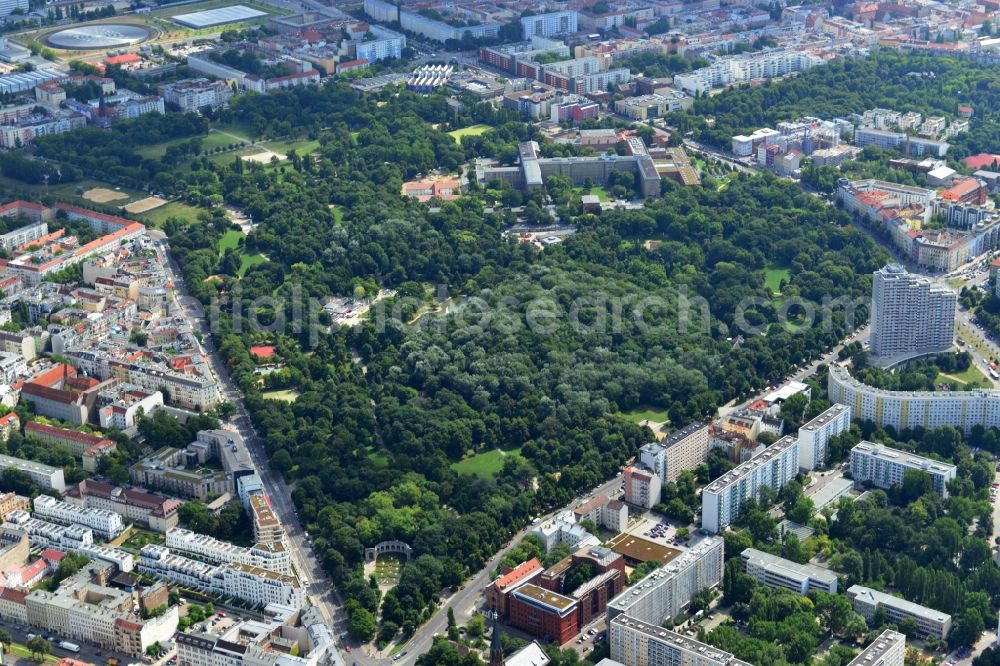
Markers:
point(787, 567)
point(825, 417)
point(642, 550)
point(703, 650)
point(540, 595)
point(765, 457)
point(870, 596)
point(872, 654)
point(907, 458)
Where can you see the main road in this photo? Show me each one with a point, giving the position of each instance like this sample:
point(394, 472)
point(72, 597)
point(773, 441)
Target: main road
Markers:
point(320, 589)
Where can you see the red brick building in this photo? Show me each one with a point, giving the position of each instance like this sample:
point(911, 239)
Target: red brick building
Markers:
point(543, 613)
point(496, 593)
point(548, 608)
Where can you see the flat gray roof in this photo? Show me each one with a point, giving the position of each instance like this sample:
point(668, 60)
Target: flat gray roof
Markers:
point(787, 567)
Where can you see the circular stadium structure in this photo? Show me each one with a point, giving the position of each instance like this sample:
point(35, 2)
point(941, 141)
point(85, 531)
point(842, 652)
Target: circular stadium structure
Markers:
point(98, 36)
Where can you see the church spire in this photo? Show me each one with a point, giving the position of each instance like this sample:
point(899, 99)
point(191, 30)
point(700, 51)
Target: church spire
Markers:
point(496, 649)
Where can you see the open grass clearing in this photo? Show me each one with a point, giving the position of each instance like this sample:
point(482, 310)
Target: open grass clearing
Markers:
point(647, 413)
point(158, 216)
point(485, 464)
point(249, 260)
point(230, 241)
point(970, 376)
point(773, 275)
point(597, 191)
point(472, 130)
point(288, 395)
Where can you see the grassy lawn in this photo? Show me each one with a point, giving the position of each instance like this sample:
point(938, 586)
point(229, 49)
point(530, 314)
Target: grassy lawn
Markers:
point(158, 216)
point(647, 413)
point(230, 240)
point(288, 395)
point(141, 538)
point(773, 277)
point(338, 214)
point(972, 375)
point(388, 568)
point(485, 464)
point(303, 147)
point(24, 653)
point(474, 130)
point(597, 191)
point(248, 260)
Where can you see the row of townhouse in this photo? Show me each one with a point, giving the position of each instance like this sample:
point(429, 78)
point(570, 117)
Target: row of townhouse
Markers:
point(104, 523)
point(241, 581)
point(79, 538)
point(271, 556)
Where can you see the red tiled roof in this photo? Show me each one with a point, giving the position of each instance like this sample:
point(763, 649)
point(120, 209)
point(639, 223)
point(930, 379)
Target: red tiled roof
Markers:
point(8, 419)
point(52, 555)
point(54, 374)
point(981, 161)
point(42, 429)
point(518, 573)
point(123, 59)
point(13, 594)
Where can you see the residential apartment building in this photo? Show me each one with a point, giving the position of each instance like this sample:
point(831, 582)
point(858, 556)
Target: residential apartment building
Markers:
point(642, 487)
point(814, 437)
point(722, 500)
point(889, 649)
point(183, 472)
point(44, 475)
point(252, 584)
point(196, 94)
point(914, 146)
point(77, 442)
point(284, 637)
point(549, 24)
point(910, 409)
point(270, 556)
point(135, 506)
point(774, 571)
point(10, 502)
point(930, 622)
point(79, 538)
point(739, 70)
point(102, 522)
point(910, 315)
point(84, 609)
point(637, 643)
point(667, 591)
point(884, 467)
point(23, 131)
point(683, 450)
point(266, 526)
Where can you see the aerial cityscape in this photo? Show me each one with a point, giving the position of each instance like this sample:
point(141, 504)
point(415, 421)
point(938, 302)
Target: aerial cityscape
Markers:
point(519, 333)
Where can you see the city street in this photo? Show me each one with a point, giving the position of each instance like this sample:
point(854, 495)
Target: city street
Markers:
point(307, 565)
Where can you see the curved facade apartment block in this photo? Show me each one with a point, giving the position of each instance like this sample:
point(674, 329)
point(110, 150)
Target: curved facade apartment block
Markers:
point(913, 409)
